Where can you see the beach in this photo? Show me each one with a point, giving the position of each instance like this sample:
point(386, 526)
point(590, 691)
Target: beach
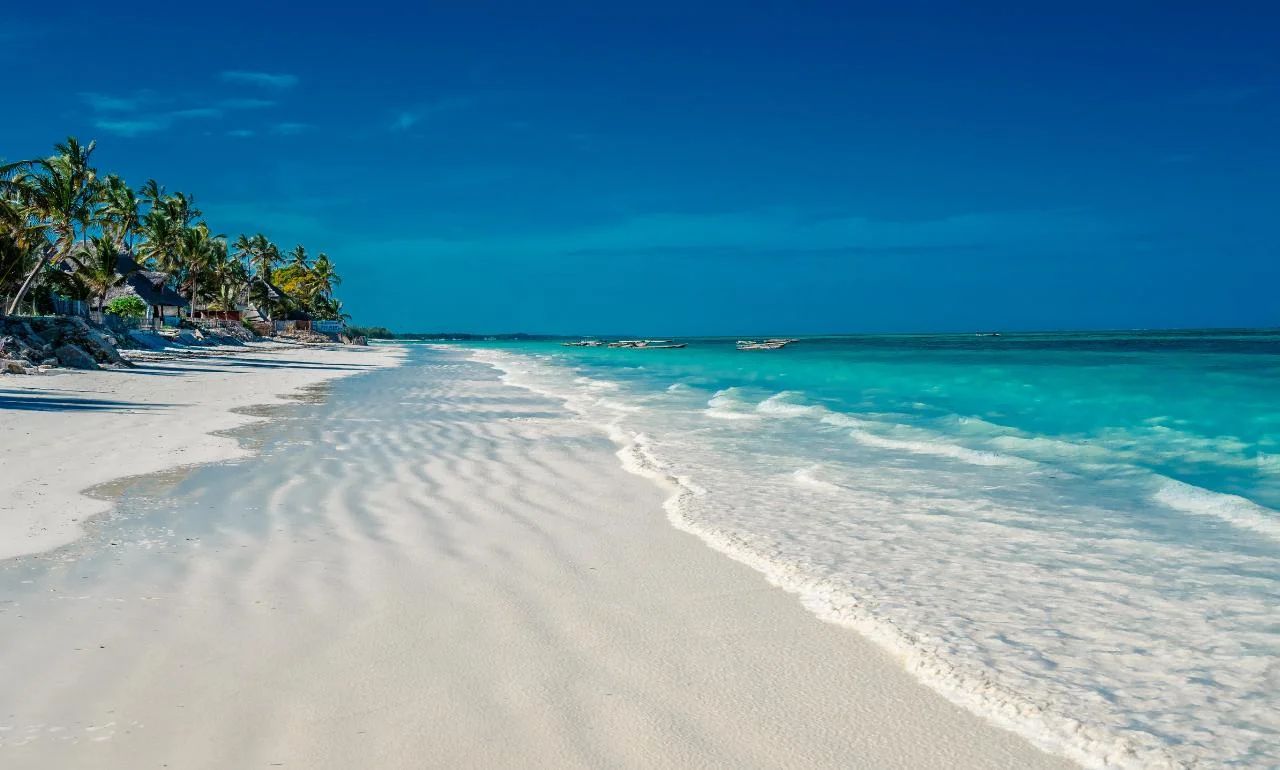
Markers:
point(65, 432)
point(419, 565)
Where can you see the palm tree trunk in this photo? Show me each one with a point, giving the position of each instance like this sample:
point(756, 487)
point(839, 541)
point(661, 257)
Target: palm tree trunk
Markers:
point(31, 279)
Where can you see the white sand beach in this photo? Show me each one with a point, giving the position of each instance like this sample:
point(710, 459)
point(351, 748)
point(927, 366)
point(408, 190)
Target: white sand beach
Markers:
point(66, 431)
point(425, 568)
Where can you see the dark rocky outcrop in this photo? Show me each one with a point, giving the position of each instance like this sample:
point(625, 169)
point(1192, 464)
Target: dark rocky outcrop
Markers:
point(73, 357)
point(29, 343)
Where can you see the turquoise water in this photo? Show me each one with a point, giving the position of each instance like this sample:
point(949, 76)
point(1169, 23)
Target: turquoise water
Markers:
point(1075, 535)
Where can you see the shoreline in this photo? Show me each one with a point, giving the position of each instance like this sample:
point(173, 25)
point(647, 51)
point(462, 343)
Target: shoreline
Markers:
point(136, 422)
point(440, 570)
point(1008, 710)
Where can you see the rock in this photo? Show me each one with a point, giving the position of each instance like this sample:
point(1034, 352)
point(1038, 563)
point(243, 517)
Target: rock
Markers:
point(48, 362)
point(49, 334)
point(103, 348)
point(69, 340)
point(75, 358)
point(10, 366)
point(306, 335)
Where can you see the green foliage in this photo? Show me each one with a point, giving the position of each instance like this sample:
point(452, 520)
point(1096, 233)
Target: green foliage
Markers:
point(127, 307)
point(97, 271)
point(372, 332)
point(59, 207)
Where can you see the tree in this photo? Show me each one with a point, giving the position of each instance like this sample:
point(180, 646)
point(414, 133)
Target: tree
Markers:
point(59, 193)
point(324, 278)
point(298, 258)
point(20, 239)
point(261, 257)
point(165, 225)
point(226, 298)
point(129, 306)
point(98, 268)
point(120, 207)
point(197, 254)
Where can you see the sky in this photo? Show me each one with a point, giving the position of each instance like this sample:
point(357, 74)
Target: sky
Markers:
point(685, 167)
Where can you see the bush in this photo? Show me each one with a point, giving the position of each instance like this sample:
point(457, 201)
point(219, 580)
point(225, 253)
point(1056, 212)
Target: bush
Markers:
point(127, 307)
point(372, 332)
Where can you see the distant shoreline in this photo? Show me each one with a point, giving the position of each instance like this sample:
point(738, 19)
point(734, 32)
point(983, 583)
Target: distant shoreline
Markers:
point(382, 333)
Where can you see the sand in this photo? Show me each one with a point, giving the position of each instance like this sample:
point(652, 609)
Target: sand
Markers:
point(65, 431)
point(429, 568)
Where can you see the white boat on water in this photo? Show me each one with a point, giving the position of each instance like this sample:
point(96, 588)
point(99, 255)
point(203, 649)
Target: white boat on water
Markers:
point(774, 344)
point(647, 344)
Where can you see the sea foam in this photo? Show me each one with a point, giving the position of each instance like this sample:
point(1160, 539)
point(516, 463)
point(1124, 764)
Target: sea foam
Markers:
point(1029, 578)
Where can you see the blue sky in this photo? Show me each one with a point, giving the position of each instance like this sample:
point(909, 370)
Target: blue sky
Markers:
point(703, 167)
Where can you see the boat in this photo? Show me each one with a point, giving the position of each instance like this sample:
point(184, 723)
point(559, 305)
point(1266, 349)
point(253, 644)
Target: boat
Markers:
point(774, 344)
point(583, 344)
point(647, 344)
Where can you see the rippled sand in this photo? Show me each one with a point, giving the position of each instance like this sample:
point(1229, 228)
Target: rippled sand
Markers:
point(429, 568)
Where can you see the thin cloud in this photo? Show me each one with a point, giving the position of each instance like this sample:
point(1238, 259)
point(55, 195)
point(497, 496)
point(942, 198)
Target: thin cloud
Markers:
point(406, 119)
point(151, 124)
point(113, 103)
point(139, 113)
point(132, 128)
point(291, 129)
point(261, 79)
point(241, 133)
point(196, 112)
point(245, 104)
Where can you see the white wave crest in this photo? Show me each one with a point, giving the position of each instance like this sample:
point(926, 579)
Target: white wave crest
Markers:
point(805, 477)
point(787, 404)
point(728, 405)
point(1233, 509)
point(940, 449)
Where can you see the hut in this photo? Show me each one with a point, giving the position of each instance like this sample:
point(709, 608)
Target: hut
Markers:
point(152, 287)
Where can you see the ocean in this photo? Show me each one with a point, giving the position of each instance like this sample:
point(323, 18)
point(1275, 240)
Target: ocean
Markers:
point(1075, 535)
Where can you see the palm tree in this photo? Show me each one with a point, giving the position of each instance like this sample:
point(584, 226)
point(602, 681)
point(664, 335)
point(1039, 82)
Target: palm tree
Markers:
point(59, 193)
point(329, 309)
point(12, 217)
point(160, 236)
point(120, 205)
point(16, 250)
point(227, 298)
point(165, 225)
point(197, 254)
point(324, 278)
point(267, 256)
point(152, 193)
point(98, 268)
point(298, 258)
point(258, 253)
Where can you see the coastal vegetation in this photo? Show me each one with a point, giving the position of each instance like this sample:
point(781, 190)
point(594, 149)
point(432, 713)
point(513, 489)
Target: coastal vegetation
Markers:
point(69, 231)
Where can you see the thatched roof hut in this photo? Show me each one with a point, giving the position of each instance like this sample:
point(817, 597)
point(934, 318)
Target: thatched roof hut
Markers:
point(151, 286)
